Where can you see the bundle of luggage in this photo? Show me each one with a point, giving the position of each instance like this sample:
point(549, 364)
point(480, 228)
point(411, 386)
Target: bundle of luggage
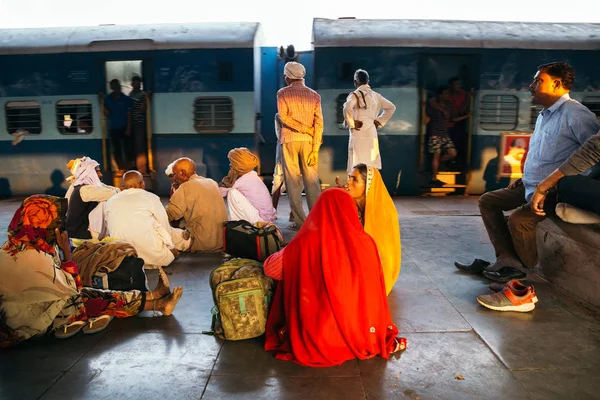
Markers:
point(242, 295)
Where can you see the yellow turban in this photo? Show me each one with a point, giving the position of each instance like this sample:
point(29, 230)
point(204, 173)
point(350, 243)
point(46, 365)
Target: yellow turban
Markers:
point(241, 162)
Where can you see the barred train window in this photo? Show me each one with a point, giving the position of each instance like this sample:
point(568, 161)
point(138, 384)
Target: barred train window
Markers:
point(498, 112)
point(535, 111)
point(74, 117)
point(339, 109)
point(213, 114)
point(23, 116)
point(593, 103)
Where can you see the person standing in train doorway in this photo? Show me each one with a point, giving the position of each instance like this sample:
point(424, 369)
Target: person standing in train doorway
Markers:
point(459, 98)
point(363, 116)
point(117, 107)
point(299, 109)
point(139, 102)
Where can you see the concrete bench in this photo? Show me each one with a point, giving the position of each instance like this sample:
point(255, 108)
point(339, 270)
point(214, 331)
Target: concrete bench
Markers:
point(569, 253)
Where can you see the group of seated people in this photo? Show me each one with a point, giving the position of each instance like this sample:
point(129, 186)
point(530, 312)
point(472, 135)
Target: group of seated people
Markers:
point(43, 290)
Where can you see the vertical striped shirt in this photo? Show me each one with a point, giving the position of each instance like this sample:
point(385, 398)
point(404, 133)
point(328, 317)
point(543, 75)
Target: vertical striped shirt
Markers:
point(300, 111)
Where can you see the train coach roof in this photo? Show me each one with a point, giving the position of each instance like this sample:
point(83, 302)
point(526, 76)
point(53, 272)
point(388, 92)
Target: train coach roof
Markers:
point(129, 37)
point(458, 34)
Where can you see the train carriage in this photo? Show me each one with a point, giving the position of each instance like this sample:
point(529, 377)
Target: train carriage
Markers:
point(205, 79)
point(408, 59)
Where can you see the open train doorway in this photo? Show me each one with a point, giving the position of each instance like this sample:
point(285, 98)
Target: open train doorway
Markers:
point(128, 89)
point(447, 85)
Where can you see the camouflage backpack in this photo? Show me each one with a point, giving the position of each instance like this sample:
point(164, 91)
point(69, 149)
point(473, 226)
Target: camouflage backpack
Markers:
point(242, 294)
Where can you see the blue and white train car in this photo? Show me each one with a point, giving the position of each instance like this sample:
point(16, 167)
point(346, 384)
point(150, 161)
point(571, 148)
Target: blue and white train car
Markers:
point(205, 80)
point(408, 59)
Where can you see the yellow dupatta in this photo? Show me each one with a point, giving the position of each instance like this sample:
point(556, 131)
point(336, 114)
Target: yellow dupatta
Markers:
point(381, 223)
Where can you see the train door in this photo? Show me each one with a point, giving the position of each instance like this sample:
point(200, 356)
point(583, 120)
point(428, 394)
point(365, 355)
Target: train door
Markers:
point(141, 152)
point(435, 71)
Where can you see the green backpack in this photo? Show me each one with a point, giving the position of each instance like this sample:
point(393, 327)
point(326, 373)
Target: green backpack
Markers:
point(242, 294)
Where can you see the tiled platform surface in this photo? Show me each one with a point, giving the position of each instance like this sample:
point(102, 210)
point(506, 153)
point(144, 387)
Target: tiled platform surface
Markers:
point(550, 353)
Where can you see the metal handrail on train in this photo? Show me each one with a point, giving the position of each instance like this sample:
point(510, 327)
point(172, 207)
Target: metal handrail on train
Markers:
point(103, 130)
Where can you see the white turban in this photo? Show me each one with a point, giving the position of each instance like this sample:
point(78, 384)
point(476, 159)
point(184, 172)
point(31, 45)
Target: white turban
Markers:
point(169, 170)
point(294, 70)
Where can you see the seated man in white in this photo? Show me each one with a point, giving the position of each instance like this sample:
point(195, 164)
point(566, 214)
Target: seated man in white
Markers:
point(247, 196)
point(138, 217)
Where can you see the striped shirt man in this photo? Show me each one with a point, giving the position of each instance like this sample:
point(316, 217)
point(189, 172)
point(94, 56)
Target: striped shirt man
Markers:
point(300, 111)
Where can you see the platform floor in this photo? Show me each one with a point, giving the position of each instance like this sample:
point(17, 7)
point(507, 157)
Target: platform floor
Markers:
point(550, 353)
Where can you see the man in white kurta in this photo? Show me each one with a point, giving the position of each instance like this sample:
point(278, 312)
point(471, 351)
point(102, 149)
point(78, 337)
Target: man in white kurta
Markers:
point(138, 217)
point(363, 115)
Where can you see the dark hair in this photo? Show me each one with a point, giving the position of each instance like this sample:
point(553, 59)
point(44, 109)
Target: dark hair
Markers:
point(453, 79)
point(115, 81)
point(561, 70)
point(361, 76)
point(136, 78)
point(363, 170)
point(441, 89)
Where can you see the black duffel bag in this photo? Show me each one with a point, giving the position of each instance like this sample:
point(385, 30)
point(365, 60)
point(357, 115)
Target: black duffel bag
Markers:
point(244, 240)
point(129, 276)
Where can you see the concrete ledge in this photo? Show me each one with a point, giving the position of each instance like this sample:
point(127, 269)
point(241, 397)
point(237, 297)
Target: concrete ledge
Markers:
point(569, 257)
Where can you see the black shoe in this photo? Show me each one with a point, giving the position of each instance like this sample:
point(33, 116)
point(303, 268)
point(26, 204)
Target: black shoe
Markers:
point(505, 274)
point(476, 267)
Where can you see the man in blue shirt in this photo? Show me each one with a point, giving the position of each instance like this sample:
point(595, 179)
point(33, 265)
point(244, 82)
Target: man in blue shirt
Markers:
point(117, 107)
point(561, 128)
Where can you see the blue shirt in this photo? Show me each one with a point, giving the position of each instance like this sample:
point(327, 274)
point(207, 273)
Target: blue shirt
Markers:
point(117, 110)
point(559, 131)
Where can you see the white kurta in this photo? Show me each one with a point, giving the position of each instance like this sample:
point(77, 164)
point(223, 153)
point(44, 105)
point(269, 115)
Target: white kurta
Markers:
point(138, 217)
point(363, 146)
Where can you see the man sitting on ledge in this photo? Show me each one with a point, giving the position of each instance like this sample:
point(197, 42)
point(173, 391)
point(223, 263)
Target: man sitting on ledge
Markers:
point(199, 201)
point(138, 217)
point(247, 196)
point(561, 128)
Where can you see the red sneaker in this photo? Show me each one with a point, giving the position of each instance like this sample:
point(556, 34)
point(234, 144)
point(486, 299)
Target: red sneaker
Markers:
point(515, 286)
point(507, 300)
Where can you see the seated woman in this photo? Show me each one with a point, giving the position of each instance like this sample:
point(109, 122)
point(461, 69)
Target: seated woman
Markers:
point(379, 217)
point(40, 289)
point(247, 196)
point(330, 305)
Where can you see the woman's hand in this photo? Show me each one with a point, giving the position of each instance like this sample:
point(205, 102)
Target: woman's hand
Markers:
point(62, 239)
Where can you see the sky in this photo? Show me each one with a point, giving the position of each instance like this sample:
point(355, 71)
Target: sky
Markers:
point(284, 21)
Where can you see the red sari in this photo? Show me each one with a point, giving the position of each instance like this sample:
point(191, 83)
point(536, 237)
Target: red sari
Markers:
point(331, 305)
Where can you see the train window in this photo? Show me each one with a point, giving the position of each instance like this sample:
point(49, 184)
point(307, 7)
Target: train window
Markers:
point(74, 117)
point(593, 103)
point(339, 108)
point(225, 73)
point(535, 111)
point(498, 112)
point(213, 114)
point(23, 116)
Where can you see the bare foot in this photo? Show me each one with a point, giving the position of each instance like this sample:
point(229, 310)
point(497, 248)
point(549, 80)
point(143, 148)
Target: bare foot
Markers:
point(292, 219)
point(175, 252)
point(185, 235)
point(162, 288)
point(168, 303)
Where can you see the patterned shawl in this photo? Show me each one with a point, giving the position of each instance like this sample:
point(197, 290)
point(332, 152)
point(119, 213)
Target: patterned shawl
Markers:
point(32, 226)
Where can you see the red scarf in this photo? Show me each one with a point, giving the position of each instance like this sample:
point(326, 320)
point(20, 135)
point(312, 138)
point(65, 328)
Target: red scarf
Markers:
point(331, 305)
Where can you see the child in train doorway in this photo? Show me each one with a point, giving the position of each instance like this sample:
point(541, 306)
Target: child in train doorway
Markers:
point(117, 107)
point(439, 145)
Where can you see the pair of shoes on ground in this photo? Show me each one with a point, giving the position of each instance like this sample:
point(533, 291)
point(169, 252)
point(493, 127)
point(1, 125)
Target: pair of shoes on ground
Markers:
point(511, 296)
point(92, 325)
point(504, 275)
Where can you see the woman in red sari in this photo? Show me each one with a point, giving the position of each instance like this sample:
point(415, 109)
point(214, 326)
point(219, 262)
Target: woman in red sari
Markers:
point(331, 304)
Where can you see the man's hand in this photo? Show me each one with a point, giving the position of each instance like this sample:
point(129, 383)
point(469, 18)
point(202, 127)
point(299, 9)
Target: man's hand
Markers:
point(338, 183)
point(377, 124)
point(515, 184)
point(537, 204)
point(62, 240)
point(313, 158)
